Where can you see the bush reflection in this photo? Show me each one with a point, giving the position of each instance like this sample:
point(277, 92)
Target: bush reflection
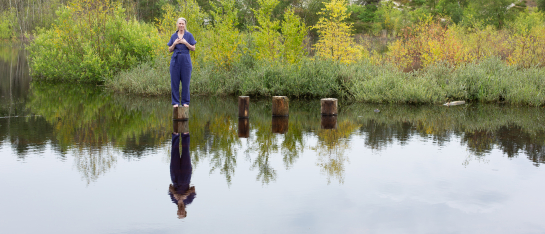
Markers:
point(94, 125)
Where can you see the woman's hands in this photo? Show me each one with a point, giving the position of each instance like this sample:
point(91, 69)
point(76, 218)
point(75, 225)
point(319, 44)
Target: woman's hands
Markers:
point(181, 40)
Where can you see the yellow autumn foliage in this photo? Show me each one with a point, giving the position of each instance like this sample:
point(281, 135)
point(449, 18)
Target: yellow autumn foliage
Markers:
point(335, 38)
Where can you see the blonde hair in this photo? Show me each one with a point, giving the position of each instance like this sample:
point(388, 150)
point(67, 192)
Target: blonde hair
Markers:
point(182, 18)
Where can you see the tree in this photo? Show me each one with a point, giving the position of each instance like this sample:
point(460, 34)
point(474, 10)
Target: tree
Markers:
point(224, 35)
point(493, 12)
point(541, 5)
point(335, 39)
point(294, 31)
point(267, 37)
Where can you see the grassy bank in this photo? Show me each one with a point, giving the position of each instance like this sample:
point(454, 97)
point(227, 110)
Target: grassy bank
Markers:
point(490, 80)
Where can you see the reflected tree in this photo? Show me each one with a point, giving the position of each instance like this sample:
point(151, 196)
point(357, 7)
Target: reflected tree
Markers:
point(264, 144)
point(332, 143)
point(224, 144)
point(93, 163)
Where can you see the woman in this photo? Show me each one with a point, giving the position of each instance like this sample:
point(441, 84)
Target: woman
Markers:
point(180, 191)
point(181, 42)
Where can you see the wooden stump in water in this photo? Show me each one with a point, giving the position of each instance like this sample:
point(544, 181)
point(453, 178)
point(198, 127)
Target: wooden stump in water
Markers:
point(280, 124)
point(329, 106)
point(181, 126)
point(243, 106)
point(243, 128)
point(329, 122)
point(181, 113)
point(280, 106)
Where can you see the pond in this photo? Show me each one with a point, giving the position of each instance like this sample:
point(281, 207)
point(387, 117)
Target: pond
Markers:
point(80, 159)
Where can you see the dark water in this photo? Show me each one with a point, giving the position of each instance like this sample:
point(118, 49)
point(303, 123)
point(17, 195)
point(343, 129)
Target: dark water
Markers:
point(80, 159)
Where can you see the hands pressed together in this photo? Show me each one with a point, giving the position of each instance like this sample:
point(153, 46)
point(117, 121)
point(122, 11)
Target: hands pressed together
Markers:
point(180, 41)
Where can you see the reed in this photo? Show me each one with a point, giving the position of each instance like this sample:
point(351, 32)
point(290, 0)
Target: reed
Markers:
point(489, 80)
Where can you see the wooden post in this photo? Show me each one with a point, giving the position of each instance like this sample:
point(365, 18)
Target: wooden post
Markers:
point(243, 106)
point(280, 106)
point(329, 122)
point(181, 126)
point(181, 113)
point(329, 106)
point(280, 124)
point(243, 128)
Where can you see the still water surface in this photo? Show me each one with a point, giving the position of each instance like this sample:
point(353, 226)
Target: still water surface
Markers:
point(80, 159)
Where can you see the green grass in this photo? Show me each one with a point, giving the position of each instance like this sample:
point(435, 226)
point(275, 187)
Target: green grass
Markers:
point(490, 80)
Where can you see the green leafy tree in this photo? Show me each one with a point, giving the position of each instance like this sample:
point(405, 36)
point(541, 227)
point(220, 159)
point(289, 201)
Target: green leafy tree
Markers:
point(8, 24)
point(389, 17)
point(90, 41)
point(267, 38)
point(494, 12)
point(335, 38)
point(541, 5)
point(223, 36)
point(294, 31)
point(451, 8)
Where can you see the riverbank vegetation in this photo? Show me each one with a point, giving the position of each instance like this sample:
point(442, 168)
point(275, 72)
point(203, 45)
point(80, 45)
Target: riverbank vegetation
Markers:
point(372, 51)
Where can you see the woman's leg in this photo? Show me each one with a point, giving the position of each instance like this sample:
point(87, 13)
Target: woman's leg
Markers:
point(175, 76)
point(186, 78)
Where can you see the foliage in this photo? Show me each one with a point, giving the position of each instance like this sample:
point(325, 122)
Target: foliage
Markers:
point(489, 80)
point(310, 13)
point(90, 41)
point(389, 17)
point(493, 12)
point(294, 31)
point(364, 13)
point(541, 5)
point(28, 15)
point(453, 9)
point(149, 78)
point(527, 40)
point(223, 35)
point(335, 41)
point(267, 38)
point(429, 42)
point(8, 24)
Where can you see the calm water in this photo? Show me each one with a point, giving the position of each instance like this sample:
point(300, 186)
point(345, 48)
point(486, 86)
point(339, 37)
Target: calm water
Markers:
point(80, 159)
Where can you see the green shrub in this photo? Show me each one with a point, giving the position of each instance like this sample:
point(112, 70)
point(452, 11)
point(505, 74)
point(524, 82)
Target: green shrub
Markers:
point(90, 41)
point(490, 80)
point(8, 24)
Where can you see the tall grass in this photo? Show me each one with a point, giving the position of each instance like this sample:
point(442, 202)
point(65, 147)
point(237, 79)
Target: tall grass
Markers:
point(489, 80)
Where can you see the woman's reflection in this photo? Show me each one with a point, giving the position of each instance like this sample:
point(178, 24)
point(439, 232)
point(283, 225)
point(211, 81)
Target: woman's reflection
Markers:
point(180, 191)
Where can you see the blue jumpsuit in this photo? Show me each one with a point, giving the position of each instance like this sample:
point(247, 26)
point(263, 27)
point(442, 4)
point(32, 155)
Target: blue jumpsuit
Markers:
point(180, 167)
point(180, 68)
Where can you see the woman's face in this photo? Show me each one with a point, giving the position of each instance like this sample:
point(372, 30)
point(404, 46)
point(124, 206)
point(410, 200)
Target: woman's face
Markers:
point(181, 25)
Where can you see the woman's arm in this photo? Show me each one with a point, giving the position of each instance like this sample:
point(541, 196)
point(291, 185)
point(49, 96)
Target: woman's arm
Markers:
point(189, 46)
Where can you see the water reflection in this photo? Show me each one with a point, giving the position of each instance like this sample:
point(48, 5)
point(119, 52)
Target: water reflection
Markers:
point(329, 122)
point(93, 124)
point(180, 191)
point(331, 147)
point(280, 124)
point(14, 80)
point(243, 128)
